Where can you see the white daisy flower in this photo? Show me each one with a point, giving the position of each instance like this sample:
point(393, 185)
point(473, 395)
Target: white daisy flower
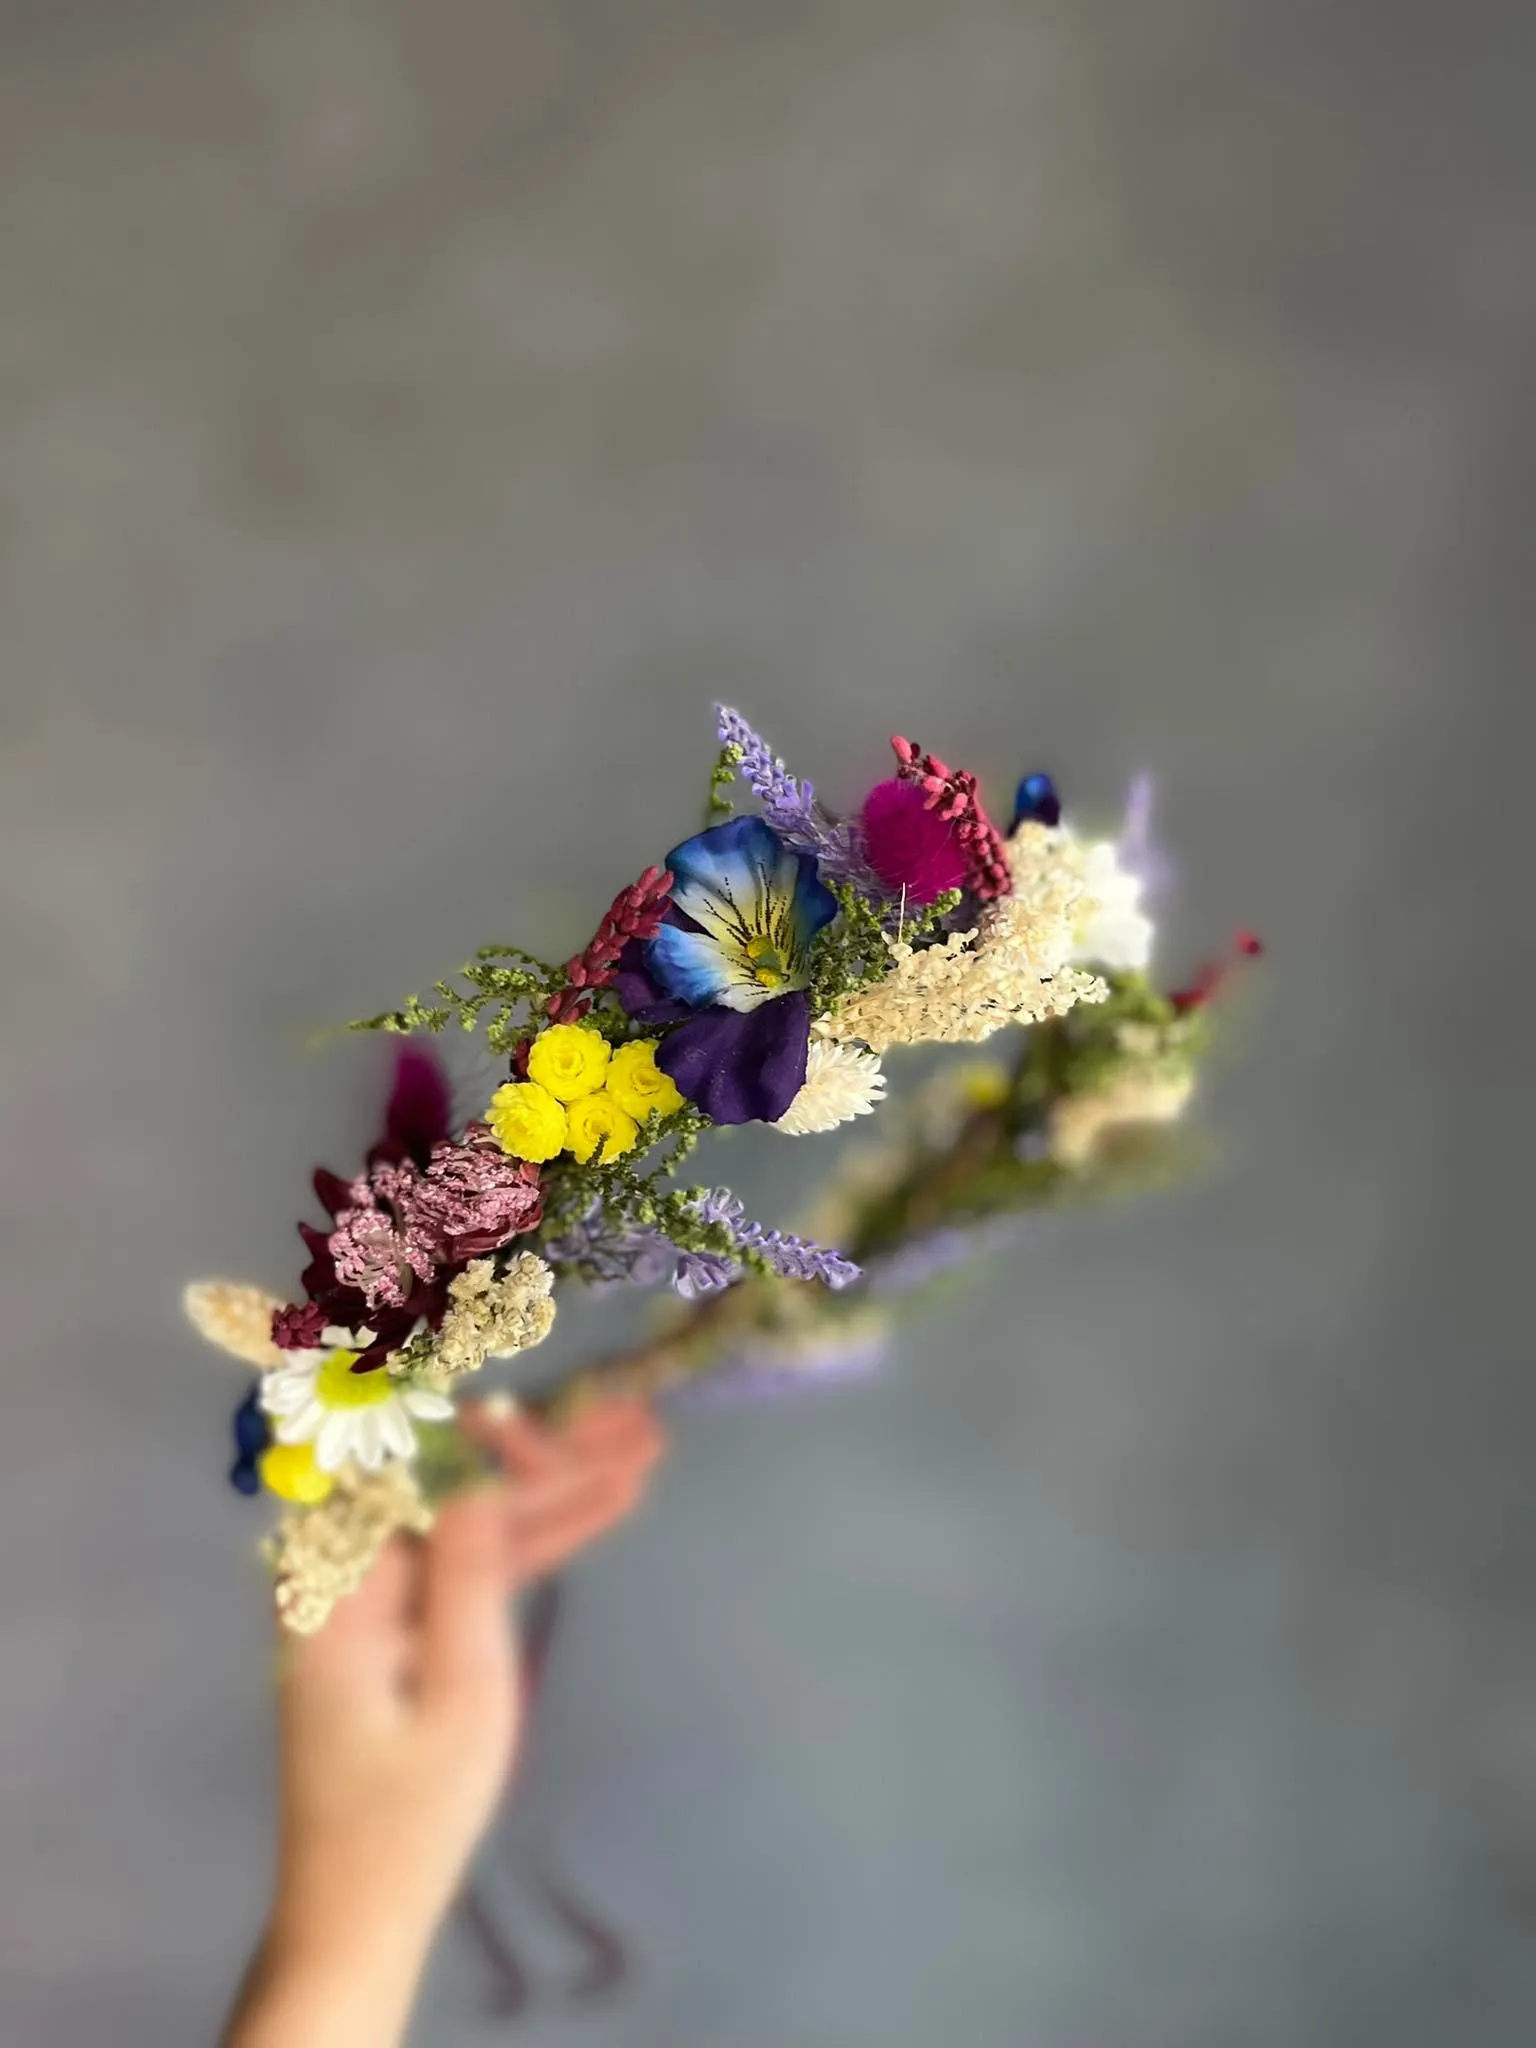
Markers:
point(1119, 933)
point(841, 1082)
point(357, 1418)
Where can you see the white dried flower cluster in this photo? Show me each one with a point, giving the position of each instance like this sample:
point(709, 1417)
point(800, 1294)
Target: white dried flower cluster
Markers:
point(1011, 969)
point(493, 1318)
point(841, 1082)
point(1080, 1123)
point(321, 1554)
point(1118, 933)
point(235, 1317)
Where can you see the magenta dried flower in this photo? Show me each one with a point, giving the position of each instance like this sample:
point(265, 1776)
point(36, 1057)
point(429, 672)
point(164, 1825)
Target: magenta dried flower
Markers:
point(953, 793)
point(913, 850)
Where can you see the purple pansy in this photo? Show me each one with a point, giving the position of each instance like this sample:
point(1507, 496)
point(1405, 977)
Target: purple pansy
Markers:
point(730, 968)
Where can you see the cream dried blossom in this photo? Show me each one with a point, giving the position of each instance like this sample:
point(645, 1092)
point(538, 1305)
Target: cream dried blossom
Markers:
point(1012, 968)
point(235, 1317)
point(1136, 1095)
point(322, 1554)
point(841, 1082)
point(491, 1317)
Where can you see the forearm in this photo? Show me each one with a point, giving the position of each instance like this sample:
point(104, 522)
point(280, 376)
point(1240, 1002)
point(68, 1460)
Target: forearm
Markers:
point(333, 1991)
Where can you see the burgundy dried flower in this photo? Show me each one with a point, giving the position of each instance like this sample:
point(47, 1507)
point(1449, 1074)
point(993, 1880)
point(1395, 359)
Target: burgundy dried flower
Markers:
point(953, 794)
point(298, 1328)
point(419, 1111)
point(635, 913)
point(416, 1118)
point(1211, 978)
point(349, 1307)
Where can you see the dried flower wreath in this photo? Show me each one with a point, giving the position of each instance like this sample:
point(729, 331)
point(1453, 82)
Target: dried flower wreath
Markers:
point(759, 976)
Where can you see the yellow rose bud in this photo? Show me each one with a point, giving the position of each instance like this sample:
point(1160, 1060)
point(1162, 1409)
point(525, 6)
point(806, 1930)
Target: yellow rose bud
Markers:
point(638, 1085)
point(599, 1128)
point(527, 1121)
point(569, 1061)
point(290, 1471)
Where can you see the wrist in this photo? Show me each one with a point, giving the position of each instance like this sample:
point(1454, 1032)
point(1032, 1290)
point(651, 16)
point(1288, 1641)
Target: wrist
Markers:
point(363, 1895)
point(331, 1987)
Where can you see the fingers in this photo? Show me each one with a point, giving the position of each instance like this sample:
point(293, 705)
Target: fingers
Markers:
point(545, 1534)
point(615, 1433)
point(355, 1663)
point(569, 1486)
point(623, 1436)
point(522, 1447)
point(466, 1652)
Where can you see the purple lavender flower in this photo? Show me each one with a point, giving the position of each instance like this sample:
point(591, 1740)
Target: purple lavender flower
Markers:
point(704, 1273)
point(792, 1258)
point(1138, 852)
point(791, 807)
point(928, 1258)
point(765, 1371)
point(796, 1258)
point(612, 1251)
point(612, 1254)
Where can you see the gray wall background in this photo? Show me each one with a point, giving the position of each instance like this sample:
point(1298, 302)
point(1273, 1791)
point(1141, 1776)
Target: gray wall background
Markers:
point(412, 417)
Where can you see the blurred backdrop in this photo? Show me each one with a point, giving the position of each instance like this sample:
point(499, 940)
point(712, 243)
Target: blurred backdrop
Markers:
point(413, 417)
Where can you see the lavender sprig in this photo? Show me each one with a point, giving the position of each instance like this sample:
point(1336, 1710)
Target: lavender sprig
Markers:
point(791, 806)
point(914, 1265)
point(611, 1251)
point(609, 1254)
point(792, 1258)
point(1138, 851)
point(764, 1370)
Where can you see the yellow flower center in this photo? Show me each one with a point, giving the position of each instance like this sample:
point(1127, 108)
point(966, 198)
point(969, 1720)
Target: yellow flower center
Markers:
point(338, 1386)
point(767, 963)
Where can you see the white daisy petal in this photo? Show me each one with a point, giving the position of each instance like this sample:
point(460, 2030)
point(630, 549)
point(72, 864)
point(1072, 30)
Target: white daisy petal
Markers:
point(335, 1441)
point(301, 1427)
point(421, 1401)
point(283, 1393)
point(368, 1438)
point(395, 1430)
point(335, 1338)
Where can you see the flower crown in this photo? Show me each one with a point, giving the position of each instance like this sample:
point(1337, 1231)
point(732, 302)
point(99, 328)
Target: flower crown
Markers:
point(759, 975)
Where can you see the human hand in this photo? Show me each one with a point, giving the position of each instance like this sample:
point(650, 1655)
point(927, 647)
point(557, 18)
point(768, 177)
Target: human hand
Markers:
point(399, 1720)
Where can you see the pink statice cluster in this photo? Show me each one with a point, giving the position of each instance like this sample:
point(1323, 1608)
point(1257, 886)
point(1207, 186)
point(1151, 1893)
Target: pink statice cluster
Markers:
point(404, 1220)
